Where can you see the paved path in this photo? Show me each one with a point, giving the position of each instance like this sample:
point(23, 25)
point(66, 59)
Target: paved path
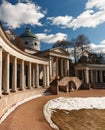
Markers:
point(29, 116)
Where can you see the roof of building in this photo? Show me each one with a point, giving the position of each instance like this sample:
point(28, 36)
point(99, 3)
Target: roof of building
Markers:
point(57, 51)
point(99, 66)
point(28, 34)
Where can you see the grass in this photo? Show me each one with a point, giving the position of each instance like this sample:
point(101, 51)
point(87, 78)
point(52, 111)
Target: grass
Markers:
point(84, 119)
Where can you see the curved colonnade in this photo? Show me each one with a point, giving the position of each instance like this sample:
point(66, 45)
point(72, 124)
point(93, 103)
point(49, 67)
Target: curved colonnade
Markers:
point(18, 71)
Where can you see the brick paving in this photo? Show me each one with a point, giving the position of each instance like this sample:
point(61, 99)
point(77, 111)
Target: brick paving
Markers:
point(29, 116)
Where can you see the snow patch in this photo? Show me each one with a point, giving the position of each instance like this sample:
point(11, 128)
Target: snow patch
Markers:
point(72, 104)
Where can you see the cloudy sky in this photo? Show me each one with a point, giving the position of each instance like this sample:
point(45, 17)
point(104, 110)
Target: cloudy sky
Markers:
point(53, 20)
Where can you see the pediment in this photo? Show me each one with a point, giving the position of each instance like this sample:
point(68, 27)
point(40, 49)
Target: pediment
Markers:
point(59, 50)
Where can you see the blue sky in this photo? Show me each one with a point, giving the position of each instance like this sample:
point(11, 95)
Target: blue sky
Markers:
point(53, 20)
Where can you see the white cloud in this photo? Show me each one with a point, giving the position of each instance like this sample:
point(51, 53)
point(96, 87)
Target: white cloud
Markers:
point(21, 1)
point(64, 20)
point(88, 19)
point(100, 4)
point(102, 42)
point(92, 16)
point(47, 30)
point(98, 48)
point(21, 13)
point(52, 38)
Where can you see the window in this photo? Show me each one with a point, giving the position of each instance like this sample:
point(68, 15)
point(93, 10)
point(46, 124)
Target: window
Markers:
point(26, 43)
point(35, 44)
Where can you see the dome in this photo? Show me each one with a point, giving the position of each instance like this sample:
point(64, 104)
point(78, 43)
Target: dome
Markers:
point(28, 34)
point(31, 41)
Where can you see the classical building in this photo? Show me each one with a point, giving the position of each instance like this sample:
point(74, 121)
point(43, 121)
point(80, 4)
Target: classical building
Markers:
point(28, 73)
point(58, 58)
point(58, 62)
point(19, 71)
point(91, 75)
point(24, 73)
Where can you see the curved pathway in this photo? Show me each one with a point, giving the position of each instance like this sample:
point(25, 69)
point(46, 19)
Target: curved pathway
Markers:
point(29, 116)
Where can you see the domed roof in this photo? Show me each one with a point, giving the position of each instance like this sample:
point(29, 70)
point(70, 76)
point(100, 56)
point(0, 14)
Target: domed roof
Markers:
point(28, 34)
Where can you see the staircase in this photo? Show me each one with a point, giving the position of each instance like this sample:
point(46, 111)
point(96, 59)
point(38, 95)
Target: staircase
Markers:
point(66, 80)
point(63, 84)
point(54, 86)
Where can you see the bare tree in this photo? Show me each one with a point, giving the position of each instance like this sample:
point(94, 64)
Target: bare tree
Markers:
point(15, 39)
point(94, 58)
point(82, 43)
point(80, 47)
point(63, 43)
point(77, 47)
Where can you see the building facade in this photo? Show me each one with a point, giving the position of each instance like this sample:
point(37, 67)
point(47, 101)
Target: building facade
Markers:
point(91, 74)
point(21, 72)
point(58, 62)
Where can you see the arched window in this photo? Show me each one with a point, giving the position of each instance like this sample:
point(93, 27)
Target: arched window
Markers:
point(35, 44)
point(26, 42)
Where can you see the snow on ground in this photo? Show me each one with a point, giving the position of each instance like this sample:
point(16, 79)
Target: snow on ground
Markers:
point(72, 104)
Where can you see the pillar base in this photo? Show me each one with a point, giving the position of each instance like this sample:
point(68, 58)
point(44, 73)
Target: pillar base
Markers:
point(38, 87)
point(5, 93)
point(28, 88)
point(33, 86)
point(20, 89)
point(13, 91)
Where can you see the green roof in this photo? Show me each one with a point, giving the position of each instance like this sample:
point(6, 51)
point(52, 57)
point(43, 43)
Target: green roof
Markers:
point(28, 33)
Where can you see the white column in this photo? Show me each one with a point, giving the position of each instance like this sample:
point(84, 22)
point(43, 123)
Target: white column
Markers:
point(76, 73)
point(33, 80)
point(51, 67)
point(44, 75)
point(65, 64)
point(101, 77)
point(14, 75)
point(47, 75)
point(0, 71)
point(68, 67)
point(87, 76)
point(91, 73)
point(22, 77)
point(83, 76)
point(6, 74)
point(37, 75)
point(57, 71)
point(96, 77)
point(62, 74)
point(29, 75)
point(52, 62)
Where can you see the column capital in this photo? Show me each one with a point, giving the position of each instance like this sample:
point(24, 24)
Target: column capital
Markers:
point(7, 53)
point(14, 57)
point(50, 57)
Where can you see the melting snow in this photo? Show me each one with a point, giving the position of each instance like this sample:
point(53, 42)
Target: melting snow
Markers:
point(72, 104)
